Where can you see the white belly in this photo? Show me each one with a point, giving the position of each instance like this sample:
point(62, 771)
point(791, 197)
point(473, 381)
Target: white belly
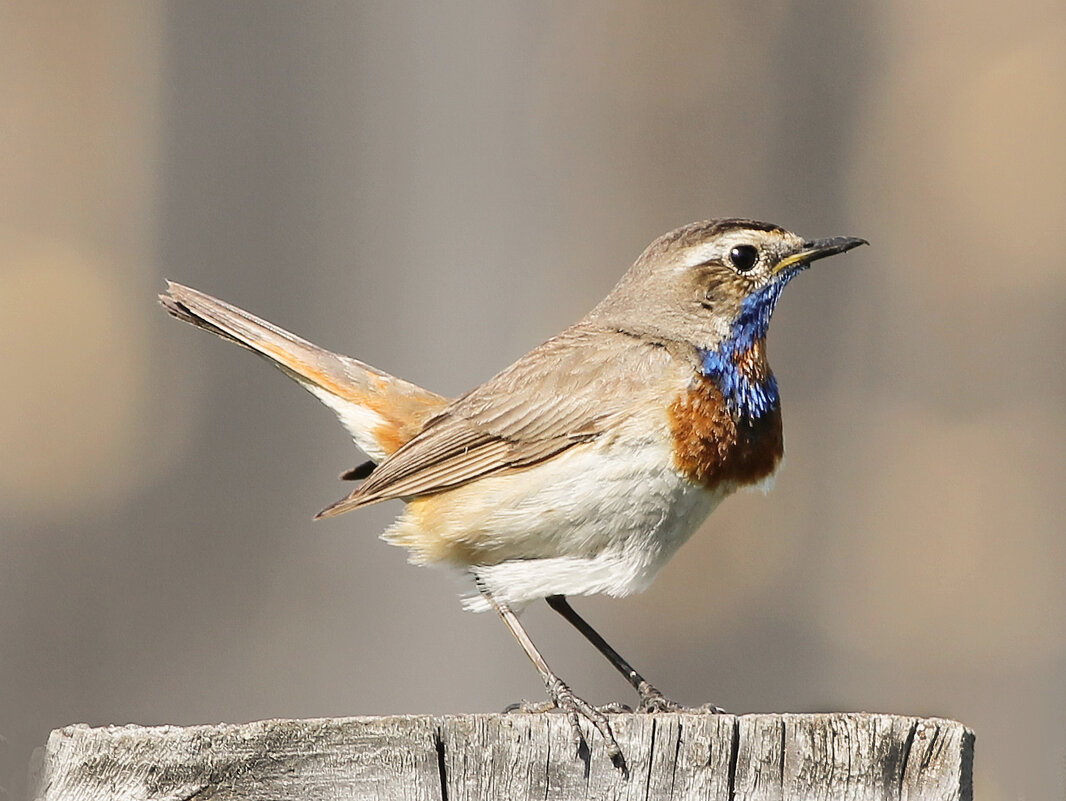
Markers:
point(592, 520)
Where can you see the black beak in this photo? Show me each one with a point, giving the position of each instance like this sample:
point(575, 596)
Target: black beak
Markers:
point(819, 249)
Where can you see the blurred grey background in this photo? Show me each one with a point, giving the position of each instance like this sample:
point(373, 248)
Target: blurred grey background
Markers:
point(437, 188)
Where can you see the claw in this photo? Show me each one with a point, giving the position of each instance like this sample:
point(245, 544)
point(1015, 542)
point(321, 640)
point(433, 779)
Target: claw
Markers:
point(653, 705)
point(652, 701)
point(576, 708)
point(710, 709)
point(530, 707)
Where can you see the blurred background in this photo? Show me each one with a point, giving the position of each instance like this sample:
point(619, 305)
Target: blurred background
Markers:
point(436, 190)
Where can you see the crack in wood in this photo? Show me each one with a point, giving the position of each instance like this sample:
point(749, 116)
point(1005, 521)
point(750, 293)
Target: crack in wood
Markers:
point(463, 757)
point(734, 757)
point(442, 765)
point(905, 756)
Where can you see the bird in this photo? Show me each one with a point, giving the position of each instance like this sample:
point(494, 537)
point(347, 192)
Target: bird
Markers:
point(581, 468)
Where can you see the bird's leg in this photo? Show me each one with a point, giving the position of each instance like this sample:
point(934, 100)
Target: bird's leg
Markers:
point(651, 700)
point(562, 697)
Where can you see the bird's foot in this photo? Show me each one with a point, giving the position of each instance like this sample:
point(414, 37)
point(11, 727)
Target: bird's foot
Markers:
point(576, 708)
point(652, 701)
point(708, 709)
point(539, 707)
point(530, 707)
point(562, 698)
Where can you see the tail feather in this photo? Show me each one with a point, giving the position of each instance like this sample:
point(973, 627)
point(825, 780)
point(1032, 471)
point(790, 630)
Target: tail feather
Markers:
point(380, 411)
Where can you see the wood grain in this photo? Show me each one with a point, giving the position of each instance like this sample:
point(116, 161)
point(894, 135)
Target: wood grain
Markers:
point(514, 757)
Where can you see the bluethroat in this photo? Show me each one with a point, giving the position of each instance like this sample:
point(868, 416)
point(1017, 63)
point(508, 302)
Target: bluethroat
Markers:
point(584, 466)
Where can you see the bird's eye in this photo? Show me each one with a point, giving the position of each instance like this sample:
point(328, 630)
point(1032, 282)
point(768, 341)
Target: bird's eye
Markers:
point(743, 257)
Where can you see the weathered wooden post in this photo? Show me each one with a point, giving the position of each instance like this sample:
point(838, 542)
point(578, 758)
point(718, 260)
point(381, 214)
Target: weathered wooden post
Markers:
point(513, 757)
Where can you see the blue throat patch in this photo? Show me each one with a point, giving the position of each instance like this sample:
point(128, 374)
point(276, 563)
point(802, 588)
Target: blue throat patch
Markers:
point(745, 395)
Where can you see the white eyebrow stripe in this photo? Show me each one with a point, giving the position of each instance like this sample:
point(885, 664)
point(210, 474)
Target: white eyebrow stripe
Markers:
point(701, 254)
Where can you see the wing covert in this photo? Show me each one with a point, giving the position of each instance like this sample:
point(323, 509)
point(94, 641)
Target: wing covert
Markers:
point(554, 397)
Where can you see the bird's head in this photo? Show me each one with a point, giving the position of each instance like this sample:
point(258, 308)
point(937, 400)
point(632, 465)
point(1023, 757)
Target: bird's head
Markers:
point(712, 284)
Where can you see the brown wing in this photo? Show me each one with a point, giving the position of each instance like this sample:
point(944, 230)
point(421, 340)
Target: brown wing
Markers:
point(566, 391)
